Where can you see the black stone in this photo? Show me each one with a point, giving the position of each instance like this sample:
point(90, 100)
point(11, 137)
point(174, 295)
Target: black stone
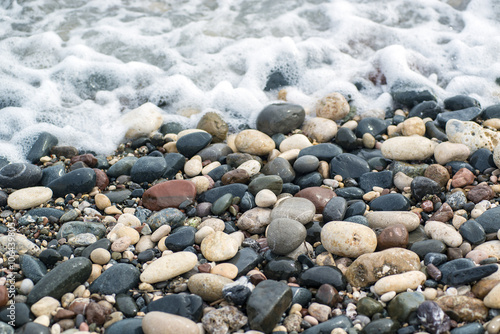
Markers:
point(423, 247)
point(82, 180)
point(482, 159)
point(436, 259)
point(301, 296)
point(350, 193)
point(247, 202)
point(118, 196)
point(236, 189)
point(346, 139)
point(32, 267)
point(468, 114)
point(323, 151)
point(217, 173)
point(101, 243)
point(119, 278)
point(181, 238)
point(126, 326)
point(21, 312)
point(451, 266)
point(245, 260)
point(184, 305)
point(433, 131)
point(473, 232)
point(33, 328)
point(372, 125)
point(148, 169)
point(126, 304)
point(381, 326)
point(236, 159)
point(290, 188)
point(313, 230)
point(20, 175)
point(472, 328)
point(175, 163)
point(51, 173)
point(282, 268)
point(358, 207)
point(457, 165)
point(490, 220)
point(492, 112)
point(275, 80)
point(145, 256)
point(122, 167)
point(215, 151)
point(41, 147)
point(190, 144)
point(348, 166)
point(410, 98)
point(237, 292)
point(376, 179)
point(316, 276)
point(335, 209)
point(459, 102)
point(469, 275)
point(390, 202)
point(171, 127)
point(313, 179)
point(280, 167)
point(280, 118)
point(46, 212)
point(326, 327)
point(50, 257)
point(358, 219)
point(422, 186)
point(62, 279)
point(425, 109)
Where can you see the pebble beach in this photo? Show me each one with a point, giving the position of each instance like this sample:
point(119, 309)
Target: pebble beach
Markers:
point(313, 221)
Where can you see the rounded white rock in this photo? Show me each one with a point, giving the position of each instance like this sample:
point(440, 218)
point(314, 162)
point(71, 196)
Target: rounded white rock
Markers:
point(28, 198)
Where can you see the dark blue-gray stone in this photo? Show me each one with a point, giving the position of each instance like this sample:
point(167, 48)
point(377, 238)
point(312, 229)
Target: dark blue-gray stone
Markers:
point(422, 186)
point(457, 165)
point(3, 199)
point(459, 102)
point(411, 170)
point(217, 173)
point(245, 260)
point(267, 303)
point(381, 326)
point(482, 159)
point(215, 151)
point(313, 230)
point(452, 266)
point(335, 209)
point(21, 312)
point(390, 202)
point(119, 278)
point(271, 182)
point(280, 167)
point(148, 169)
point(74, 228)
point(32, 267)
point(126, 304)
point(41, 147)
point(301, 296)
point(276, 80)
point(356, 208)
point(433, 131)
point(282, 268)
point(122, 167)
point(81, 180)
point(236, 189)
point(171, 127)
point(126, 326)
point(313, 179)
point(469, 275)
point(65, 250)
point(169, 216)
point(46, 212)
point(326, 327)
point(237, 292)
point(378, 163)
point(473, 232)
point(102, 243)
point(350, 193)
point(376, 179)
point(372, 125)
point(472, 328)
point(436, 259)
point(118, 196)
point(316, 276)
point(33, 328)
point(222, 204)
point(358, 219)
point(53, 172)
point(184, 305)
point(247, 202)
point(175, 163)
point(402, 95)
point(401, 306)
point(491, 112)
point(467, 114)
point(348, 165)
point(290, 188)
point(62, 279)
point(49, 257)
point(346, 138)
point(323, 151)
point(425, 109)
point(20, 175)
point(181, 238)
point(423, 247)
point(306, 164)
point(280, 118)
point(490, 220)
point(190, 144)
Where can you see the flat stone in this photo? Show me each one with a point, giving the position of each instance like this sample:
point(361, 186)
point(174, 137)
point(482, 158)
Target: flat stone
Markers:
point(282, 268)
point(168, 266)
point(171, 217)
point(208, 286)
point(323, 151)
point(490, 220)
point(213, 123)
point(372, 125)
point(316, 276)
point(296, 208)
point(119, 278)
point(20, 175)
point(160, 322)
point(148, 169)
point(74, 228)
point(53, 172)
point(27, 198)
point(184, 305)
point(422, 186)
point(168, 194)
point(142, 120)
point(492, 248)
point(181, 238)
point(218, 246)
point(464, 308)
point(45, 306)
point(348, 166)
point(469, 275)
point(376, 179)
point(408, 148)
point(348, 239)
point(41, 147)
point(21, 244)
point(383, 219)
point(245, 260)
point(271, 182)
point(81, 180)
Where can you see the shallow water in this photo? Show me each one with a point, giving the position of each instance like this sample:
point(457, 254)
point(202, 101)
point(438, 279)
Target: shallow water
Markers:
point(74, 67)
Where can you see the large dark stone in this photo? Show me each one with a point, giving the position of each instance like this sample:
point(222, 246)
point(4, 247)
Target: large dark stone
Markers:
point(53, 172)
point(482, 159)
point(21, 313)
point(410, 98)
point(459, 102)
point(468, 114)
point(323, 151)
point(245, 260)
point(473, 232)
point(346, 138)
point(181, 238)
point(214, 152)
point(448, 268)
point(20, 175)
point(328, 326)
point(390, 202)
point(119, 278)
point(350, 193)
point(433, 131)
point(175, 163)
point(422, 186)
point(335, 209)
point(372, 125)
point(280, 167)
point(81, 180)
point(490, 220)
point(122, 167)
point(491, 112)
point(187, 306)
point(469, 275)
point(280, 118)
point(425, 109)
point(348, 165)
point(46, 212)
point(190, 144)
point(271, 182)
point(316, 276)
point(236, 189)
point(376, 179)
point(41, 147)
point(282, 268)
point(148, 169)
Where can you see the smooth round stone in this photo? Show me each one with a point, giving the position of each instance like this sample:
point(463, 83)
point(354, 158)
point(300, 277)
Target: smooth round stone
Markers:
point(217, 173)
point(185, 305)
point(6, 328)
point(20, 175)
point(390, 202)
point(296, 208)
point(446, 152)
point(254, 142)
point(213, 123)
point(393, 236)
point(126, 304)
point(369, 306)
point(335, 209)
point(271, 182)
point(413, 126)
point(296, 141)
point(346, 139)
point(372, 125)
point(411, 170)
point(408, 148)
point(53, 172)
point(102, 201)
point(482, 159)
point(376, 179)
point(27, 198)
point(142, 120)
point(32, 267)
point(81, 180)
point(443, 232)
point(22, 315)
point(122, 167)
point(50, 257)
point(100, 256)
point(467, 114)
point(193, 166)
point(490, 220)
point(323, 151)
point(492, 299)
point(282, 268)
point(313, 179)
point(285, 235)
point(306, 164)
point(165, 323)
point(348, 239)
point(350, 193)
point(74, 228)
point(256, 220)
point(235, 176)
point(320, 129)
point(381, 326)
point(181, 238)
point(148, 169)
point(222, 204)
point(168, 266)
point(252, 167)
point(492, 248)
point(459, 102)
point(208, 286)
point(227, 270)
point(319, 196)
point(491, 112)
point(383, 219)
point(316, 276)
point(214, 152)
point(433, 131)
point(265, 198)
point(45, 306)
point(219, 246)
point(333, 106)
point(168, 194)
point(404, 304)
point(280, 118)
point(472, 328)
point(280, 167)
point(400, 282)
point(236, 189)
point(190, 144)
point(425, 109)
point(422, 186)
point(348, 166)
point(41, 147)
point(433, 318)
point(423, 247)
point(245, 260)
point(473, 232)
point(171, 217)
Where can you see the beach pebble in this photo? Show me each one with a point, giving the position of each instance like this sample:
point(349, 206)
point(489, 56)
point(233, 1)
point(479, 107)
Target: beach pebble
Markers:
point(492, 299)
point(100, 256)
point(265, 198)
point(254, 142)
point(144, 244)
point(252, 167)
point(29, 197)
point(447, 151)
point(319, 196)
point(168, 266)
point(165, 323)
point(472, 135)
point(45, 306)
point(463, 178)
point(160, 232)
point(496, 155)
point(148, 169)
point(320, 129)
point(80, 180)
point(121, 244)
point(333, 106)
point(201, 183)
point(383, 219)
point(399, 282)
point(348, 239)
point(169, 194)
point(193, 166)
point(202, 233)
point(142, 121)
point(285, 235)
point(492, 248)
point(102, 201)
point(227, 270)
point(408, 148)
point(218, 247)
point(215, 223)
point(280, 118)
point(121, 230)
point(208, 286)
point(393, 236)
point(254, 220)
point(20, 175)
point(129, 219)
point(402, 181)
point(296, 208)
point(226, 319)
point(413, 126)
point(319, 311)
point(296, 141)
point(465, 308)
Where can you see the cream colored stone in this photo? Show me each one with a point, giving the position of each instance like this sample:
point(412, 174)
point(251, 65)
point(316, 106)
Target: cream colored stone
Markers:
point(96, 272)
point(368, 140)
point(102, 201)
point(348, 239)
point(400, 282)
point(265, 198)
point(320, 129)
point(231, 142)
point(492, 248)
point(19, 243)
point(401, 180)
point(208, 286)
point(443, 232)
point(201, 183)
point(352, 125)
point(290, 155)
point(446, 152)
point(216, 223)
point(100, 256)
point(28, 198)
point(165, 323)
point(121, 230)
point(142, 121)
point(130, 220)
point(210, 167)
point(43, 320)
point(471, 134)
point(251, 166)
point(492, 123)
point(238, 236)
point(144, 243)
point(333, 106)
point(254, 142)
point(112, 210)
point(218, 247)
point(202, 233)
point(408, 148)
point(383, 219)
point(168, 267)
point(160, 232)
point(319, 311)
point(297, 141)
point(413, 126)
point(492, 299)
point(193, 166)
point(45, 306)
point(227, 270)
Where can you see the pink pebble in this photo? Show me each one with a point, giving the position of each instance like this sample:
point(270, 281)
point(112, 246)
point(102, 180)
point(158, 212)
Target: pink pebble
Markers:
point(477, 256)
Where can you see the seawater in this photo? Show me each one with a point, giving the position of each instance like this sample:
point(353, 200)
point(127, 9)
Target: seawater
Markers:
point(74, 67)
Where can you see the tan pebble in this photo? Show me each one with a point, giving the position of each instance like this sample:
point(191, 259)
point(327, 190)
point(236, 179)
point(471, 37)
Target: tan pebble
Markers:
point(208, 286)
point(333, 106)
point(160, 233)
point(142, 120)
point(457, 221)
point(165, 323)
point(96, 272)
point(227, 270)
point(113, 317)
point(193, 166)
point(66, 299)
point(130, 220)
point(45, 306)
point(392, 129)
point(86, 293)
point(319, 311)
point(210, 167)
point(170, 147)
point(144, 243)
point(492, 123)
point(399, 282)
point(27, 198)
point(169, 266)
point(230, 142)
point(219, 246)
point(265, 198)
point(386, 297)
point(146, 287)
point(43, 320)
point(109, 220)
point(273, 155)
point(238, 236)
point(202, 233)
point(368, 140)
point(102, 201)
point(352, 125)
point(128, 255)
point(430, 293)
point(254, 142)
point(492, 299)
point(296, 308)
point(100, 256)
point(371, 195)
point(112, 210)
point(312, 320)
point(408, 148)
point(161, 244)
point(320, 129)
point(124, 231)
point(79, 291)
point(120, 244)
point(201, 183)
point(251, 166)
point(290, 155)
point(297, 141)
point(413, 126)
point(216, 223)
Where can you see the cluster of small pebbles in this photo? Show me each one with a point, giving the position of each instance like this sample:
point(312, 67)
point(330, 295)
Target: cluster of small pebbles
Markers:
point(329, 223)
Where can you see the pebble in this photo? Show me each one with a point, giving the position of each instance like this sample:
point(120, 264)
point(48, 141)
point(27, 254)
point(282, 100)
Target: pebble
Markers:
point(443, 232)
point(102, 201)
point(319, 311)
point(227, 270)
point(41, 147)
point(447, 151)
point(160, 232)
point(316, 276)
point(186, 305)
point(265, 198)
point(45, 306)
point(193, 166)
point(168, 267)
point(208, 286)
point(319, 196)
point(280, 167)
point(160, 322)
point(464, 308)
point(224, 320)
point(142, 120)
point(169, 194)
point(393, 236)
point(100, 256)
point(348, 165)
point(254, 142)
point(190, 144)
point(280, 118)
point(256, 220)
point(252, 167)
point(399, 282)
point(472, 135)
point(408, 148)
point(27, 198)
point(148, 169)
point(296, 141)
point(81, 180)
point(320, 129)
point(218, 246)
point(413, 126)
point(404, 304)
point(284, 235)
point(20, 175)
point(390, 202)
point(348, 239)
point(296, 208)
point(383, 219)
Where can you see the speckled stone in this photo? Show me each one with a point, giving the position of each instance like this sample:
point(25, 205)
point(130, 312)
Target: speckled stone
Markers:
point(219, 246)
point(348, 239)
point(472, 135)
point(408, 148)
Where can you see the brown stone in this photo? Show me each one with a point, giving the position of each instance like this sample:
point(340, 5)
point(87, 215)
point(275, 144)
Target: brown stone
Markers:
point(480, 192)
point(204, 268)
point(393, 236)
point(462, 178)
point(437, 173)
point(66, 324)
point(169, 194)
point(443, 214)
point(427, 206)
point(318, 195)
point(235, 176)
point(87, 159)
point(101, 179)
point(64, 314)
point(463, 308)
point(212, 123)
point(79, 305)
point(4, 295)
point(96, 314)
point(483, 287)
point(328, 295)
point(64, 151)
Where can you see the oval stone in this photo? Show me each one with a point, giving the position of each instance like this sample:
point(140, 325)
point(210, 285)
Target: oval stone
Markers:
point(208, 286)
point(169, 266)
point(254, 142)
point(169, 194)
point(319, 196)
point(20, 175)
point(285, 235)
point(29, 197)
point(81, 180)
point(280, 118)
point(348, 239)
point(219, 246)
point(408, 148)
point(400, 282)
point(383, 219)
point(296, 208)
point(165, 323)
